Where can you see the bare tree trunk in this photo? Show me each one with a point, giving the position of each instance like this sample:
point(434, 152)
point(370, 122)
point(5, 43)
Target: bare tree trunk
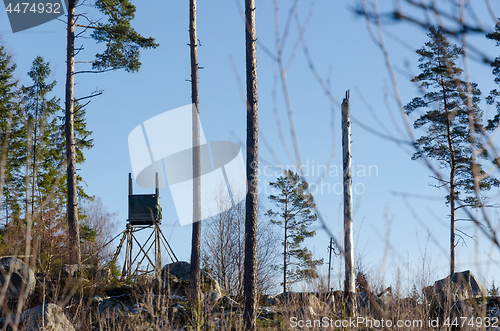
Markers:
point(330, 247)
point(452, 222)
point(349, 286)
point(72, 203)
point(34, 180)
point(250, 277)
point(452, 203)
point(195, 272)
point(452, 181)
point(285, 251)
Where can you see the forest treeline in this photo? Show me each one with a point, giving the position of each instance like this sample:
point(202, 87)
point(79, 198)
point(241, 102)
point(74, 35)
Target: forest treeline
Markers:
point(43, 139)
point(33, 187)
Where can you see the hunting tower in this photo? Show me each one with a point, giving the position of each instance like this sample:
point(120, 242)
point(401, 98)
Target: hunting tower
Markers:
point(144, 214)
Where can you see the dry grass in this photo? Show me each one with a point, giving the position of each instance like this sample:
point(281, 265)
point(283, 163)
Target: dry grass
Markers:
point(142, 307)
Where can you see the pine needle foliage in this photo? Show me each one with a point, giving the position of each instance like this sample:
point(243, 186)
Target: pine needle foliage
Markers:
point(295, 217)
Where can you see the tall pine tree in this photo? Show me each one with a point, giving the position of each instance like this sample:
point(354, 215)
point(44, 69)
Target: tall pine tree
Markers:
point(42, 131)
point(449, 109)
point(123, 45)
point(295, 217)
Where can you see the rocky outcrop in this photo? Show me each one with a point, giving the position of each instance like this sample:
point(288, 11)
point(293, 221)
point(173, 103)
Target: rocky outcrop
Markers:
point(179, 269)
point(115, 307)
point(461, 286)
point(49, 317)
point(452, 295)
point(176, 273)
point(19, 276)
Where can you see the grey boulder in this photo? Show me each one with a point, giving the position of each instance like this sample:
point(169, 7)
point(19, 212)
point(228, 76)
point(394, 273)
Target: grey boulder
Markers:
point(179, 269)
point(19, 276)
point(462, 286)
point(49, 317)
point(211, 290)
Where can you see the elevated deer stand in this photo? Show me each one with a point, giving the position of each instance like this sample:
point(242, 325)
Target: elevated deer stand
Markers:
point(144, 214)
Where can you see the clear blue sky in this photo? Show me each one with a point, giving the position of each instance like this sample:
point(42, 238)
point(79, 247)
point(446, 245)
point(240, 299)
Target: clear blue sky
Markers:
point(344, 55)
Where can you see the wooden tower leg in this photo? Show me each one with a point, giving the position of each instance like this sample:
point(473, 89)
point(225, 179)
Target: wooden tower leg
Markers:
point(157, 251)
point(125, 263)
point(128, 257)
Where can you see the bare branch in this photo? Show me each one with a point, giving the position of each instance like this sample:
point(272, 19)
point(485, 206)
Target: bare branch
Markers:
point(95, 71)
point(93, 94)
